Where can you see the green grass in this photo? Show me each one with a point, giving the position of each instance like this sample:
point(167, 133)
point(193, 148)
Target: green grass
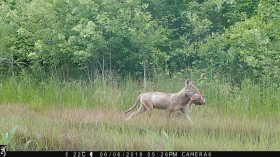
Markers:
point(77, 115)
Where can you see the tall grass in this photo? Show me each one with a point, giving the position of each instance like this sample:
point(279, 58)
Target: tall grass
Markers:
point(55, 114)
point(249, 98)
point(6, 138)
point(53, 91)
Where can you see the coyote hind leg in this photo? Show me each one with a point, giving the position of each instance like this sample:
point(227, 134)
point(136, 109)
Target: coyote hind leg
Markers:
point(139, 111)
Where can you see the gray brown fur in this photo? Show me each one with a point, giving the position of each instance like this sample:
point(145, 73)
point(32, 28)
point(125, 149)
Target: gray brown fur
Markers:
point(169, 101)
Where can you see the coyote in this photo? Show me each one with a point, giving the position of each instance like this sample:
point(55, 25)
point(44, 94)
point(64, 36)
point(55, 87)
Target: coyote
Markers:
point(171, 101)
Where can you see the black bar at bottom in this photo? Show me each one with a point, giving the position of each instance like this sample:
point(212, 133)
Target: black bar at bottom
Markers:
point(142, 153)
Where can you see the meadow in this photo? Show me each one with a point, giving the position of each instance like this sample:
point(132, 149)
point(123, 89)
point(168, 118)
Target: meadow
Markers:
point(55, 114)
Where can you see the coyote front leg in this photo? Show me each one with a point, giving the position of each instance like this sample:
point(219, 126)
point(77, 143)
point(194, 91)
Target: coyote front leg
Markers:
point(185, 111)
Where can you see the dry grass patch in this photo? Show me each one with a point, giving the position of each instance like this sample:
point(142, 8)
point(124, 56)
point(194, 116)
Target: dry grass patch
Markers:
point(58, 128)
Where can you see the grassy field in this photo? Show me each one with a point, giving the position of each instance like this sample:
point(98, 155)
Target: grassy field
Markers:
point(78, 115)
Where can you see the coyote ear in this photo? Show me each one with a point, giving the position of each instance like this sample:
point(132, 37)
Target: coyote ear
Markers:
point(187, 82)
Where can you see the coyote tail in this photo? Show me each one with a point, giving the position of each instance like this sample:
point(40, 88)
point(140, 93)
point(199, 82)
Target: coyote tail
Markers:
point(135, 104)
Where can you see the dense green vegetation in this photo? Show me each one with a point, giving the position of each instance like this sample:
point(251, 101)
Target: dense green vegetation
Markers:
point(69, 68)
point(73, 38)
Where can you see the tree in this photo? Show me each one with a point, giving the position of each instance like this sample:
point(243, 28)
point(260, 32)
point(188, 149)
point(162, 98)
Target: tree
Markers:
point(249, 47)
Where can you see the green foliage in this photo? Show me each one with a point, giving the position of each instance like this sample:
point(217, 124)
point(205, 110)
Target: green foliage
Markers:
point(68, 38)
point(248, 47)
point(78, 34)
